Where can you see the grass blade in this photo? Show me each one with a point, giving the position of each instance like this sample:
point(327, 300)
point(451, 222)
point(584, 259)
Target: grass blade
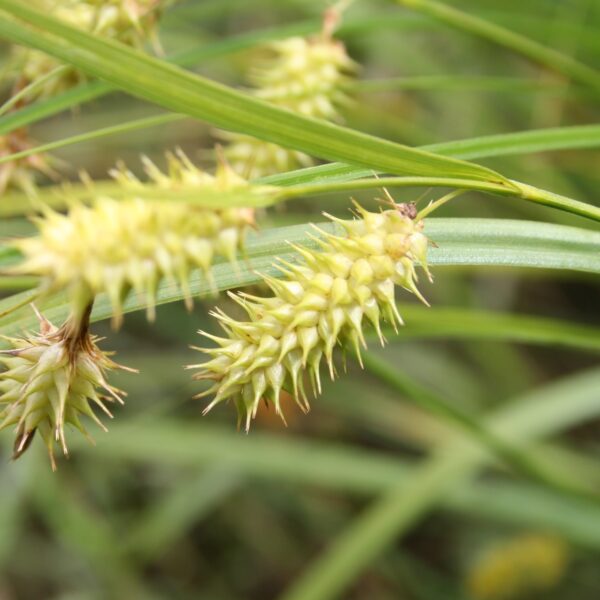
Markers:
point(522, 142)
point(538, 414)
point(336, 467)
point(89, 91)
point(46, 108)
point(185, 93)
point(460, 323)
point(489, 146)
point(480, 242)
point(560, 480)
point(548, 57)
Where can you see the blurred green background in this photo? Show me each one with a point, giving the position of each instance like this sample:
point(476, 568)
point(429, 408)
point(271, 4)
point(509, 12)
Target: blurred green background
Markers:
point(170, 504)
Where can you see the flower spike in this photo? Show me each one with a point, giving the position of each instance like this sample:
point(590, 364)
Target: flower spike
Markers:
point(308, 76)
point(51, 379)
point(131, 22)
point(318, 304)
point(114, 246)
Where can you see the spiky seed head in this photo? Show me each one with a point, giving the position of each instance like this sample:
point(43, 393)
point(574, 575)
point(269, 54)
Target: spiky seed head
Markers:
point(305, 75)
point(182, 176)
point(130, 22)
point(256, 158)
point(51, 379)
point(320, 303)
point(114, 246)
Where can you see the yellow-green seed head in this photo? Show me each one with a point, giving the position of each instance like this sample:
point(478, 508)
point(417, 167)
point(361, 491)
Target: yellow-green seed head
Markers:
point(183, 176)
point(305, 75)
point(526, 565)
point(49, 381)
point(320, 303)
point(130, 22)
point(114, 246)
point(257, 158)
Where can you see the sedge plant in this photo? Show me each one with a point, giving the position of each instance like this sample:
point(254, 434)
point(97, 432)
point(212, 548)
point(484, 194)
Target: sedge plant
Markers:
point(329, 285)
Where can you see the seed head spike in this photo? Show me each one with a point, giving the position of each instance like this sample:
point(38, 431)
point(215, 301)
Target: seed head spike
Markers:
point(319, 303)
point(115, 246)
point(308, 76)
point(55, 378)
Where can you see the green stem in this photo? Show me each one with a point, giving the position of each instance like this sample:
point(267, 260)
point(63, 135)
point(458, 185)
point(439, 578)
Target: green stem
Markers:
point(518, 189)
point(18, 283)
point(270, 195)
point(32, 87)
point(326, 187)
point(97, 133)
point(539, 196)
point(458, 83)
point(550, 58)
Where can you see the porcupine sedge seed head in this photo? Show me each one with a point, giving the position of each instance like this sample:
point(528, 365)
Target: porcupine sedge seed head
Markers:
point(131, 22)
point(321, 302)
point(115, 246)
point(50, 380)
point(307, 76)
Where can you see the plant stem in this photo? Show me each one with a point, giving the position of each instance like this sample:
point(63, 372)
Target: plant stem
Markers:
point(516, 189)
point(539, 196)
point(97, 133)
point(18, 283)
point(458, 83)
point(34, 85)
point(326, 187)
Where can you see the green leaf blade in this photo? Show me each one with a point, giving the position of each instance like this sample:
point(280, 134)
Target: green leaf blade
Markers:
point(186, 93)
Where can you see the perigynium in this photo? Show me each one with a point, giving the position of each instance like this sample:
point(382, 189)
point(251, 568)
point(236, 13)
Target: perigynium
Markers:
point(182, 176)
point(114, 246)
point(51, 379)
point(320, 303)
point(305, 75)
